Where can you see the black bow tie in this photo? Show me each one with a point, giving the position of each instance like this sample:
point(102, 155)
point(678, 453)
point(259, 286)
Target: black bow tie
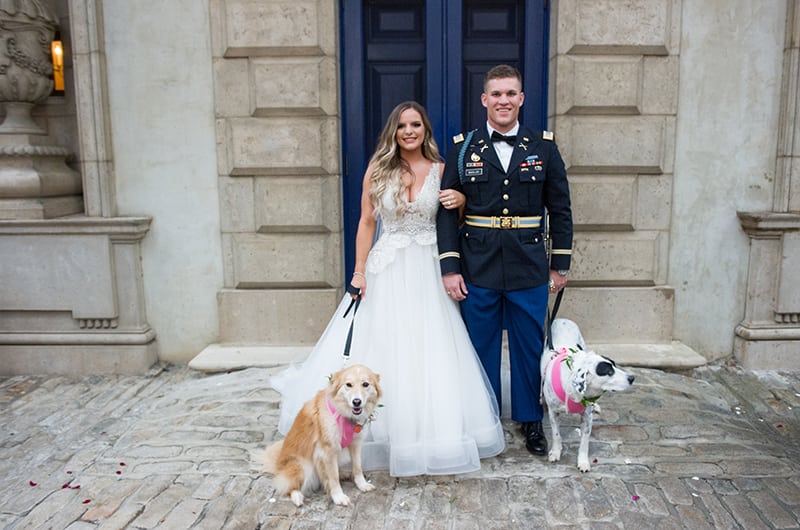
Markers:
point(497, 137)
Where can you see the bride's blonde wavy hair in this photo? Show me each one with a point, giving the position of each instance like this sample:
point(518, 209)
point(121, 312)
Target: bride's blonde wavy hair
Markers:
point(387, 164)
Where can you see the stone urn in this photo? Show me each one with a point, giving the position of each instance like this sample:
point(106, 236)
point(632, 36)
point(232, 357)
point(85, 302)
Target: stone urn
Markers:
point(26, 31)
point(35, 181)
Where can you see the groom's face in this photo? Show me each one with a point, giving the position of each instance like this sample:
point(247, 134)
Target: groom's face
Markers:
point(502, 98)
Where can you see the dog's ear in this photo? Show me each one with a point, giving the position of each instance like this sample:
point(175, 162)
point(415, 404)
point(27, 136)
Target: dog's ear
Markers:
point(335, 381)
point(604, 368)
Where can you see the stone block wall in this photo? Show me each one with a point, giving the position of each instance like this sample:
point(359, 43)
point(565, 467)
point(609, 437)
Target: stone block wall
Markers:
point(614, 96)
point(278, 124)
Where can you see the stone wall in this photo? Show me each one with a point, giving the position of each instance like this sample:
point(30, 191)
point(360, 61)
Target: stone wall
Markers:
point(613, 106)
point(224, 128)
point(768, 336)
point(278, 151)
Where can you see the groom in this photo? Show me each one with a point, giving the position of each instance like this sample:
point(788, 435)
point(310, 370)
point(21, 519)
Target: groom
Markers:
point(496, 263)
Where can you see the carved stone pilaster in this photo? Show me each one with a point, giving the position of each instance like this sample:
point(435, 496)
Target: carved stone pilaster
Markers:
point(72, 297)
point(769, 336)
point(35, 181)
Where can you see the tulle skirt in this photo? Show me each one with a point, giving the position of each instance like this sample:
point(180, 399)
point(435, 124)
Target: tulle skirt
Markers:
point(438, 413)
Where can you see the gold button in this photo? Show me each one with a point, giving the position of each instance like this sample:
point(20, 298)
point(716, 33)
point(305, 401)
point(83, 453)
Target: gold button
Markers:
point(505, 196)
point(505, 182)
point(505, 211)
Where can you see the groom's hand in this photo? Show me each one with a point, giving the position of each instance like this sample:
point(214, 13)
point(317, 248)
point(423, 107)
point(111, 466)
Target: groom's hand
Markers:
point(454, 286)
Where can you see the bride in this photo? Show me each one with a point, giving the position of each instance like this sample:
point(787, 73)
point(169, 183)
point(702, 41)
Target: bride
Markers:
point(439, 415)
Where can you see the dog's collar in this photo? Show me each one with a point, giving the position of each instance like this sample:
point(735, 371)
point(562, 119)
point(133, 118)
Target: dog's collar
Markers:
point(573, 407)
point(346, 426)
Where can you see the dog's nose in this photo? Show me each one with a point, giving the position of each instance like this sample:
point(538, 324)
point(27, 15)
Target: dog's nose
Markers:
point(630, 379)
point(356, 402)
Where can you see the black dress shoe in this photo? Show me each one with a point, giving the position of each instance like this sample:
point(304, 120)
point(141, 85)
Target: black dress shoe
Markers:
point(535, 441)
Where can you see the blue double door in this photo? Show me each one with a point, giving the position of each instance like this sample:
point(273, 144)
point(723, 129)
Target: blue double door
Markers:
point(434, 52)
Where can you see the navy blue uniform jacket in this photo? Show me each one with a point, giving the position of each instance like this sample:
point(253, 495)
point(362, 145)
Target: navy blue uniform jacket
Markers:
point(506, 259)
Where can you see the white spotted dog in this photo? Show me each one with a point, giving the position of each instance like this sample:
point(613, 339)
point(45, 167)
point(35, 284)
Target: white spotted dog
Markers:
point(573, 379)
point(329, 422)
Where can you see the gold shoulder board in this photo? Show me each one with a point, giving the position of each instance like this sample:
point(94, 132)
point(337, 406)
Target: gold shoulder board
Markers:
point(547, 135)
point(457, 139)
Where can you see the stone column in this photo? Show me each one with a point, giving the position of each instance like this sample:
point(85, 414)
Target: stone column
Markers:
point(769, 335)
point(35, 182)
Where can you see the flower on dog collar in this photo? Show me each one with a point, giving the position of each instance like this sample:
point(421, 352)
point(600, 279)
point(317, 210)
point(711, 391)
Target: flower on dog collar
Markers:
point(567, 358)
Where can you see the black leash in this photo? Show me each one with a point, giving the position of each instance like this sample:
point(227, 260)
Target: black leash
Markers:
point(354, 303)
point(552, 316)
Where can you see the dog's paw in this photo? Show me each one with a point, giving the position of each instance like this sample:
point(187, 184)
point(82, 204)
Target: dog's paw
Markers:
point(297, 497)
point(584, 465)
point(554, 456)
point(362, 484)
point(340, 498)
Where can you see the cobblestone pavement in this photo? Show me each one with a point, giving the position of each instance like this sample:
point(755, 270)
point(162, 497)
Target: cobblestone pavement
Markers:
point(715, 448)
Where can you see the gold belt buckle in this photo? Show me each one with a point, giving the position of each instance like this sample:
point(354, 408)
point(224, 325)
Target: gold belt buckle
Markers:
point(506, 222)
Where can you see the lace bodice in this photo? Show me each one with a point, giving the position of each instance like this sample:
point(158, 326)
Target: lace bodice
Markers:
point(417, 225)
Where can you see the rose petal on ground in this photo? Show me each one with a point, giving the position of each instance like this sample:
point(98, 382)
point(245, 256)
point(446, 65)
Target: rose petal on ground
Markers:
point(32, 483)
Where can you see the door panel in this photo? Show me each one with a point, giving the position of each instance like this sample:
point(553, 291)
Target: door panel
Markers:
point(492, 35)
point(394, 39)
point(435, 52)
point(390, 84)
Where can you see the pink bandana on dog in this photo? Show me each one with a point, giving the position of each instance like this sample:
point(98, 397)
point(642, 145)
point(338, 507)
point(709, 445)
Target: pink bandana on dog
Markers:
point(346, 426)
point(555, 375)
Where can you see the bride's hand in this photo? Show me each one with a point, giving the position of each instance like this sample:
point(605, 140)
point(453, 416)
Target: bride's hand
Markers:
point(451, 199)
point(359, 281)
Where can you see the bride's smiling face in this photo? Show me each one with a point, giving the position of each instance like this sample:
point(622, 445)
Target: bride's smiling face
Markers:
point(410, 130)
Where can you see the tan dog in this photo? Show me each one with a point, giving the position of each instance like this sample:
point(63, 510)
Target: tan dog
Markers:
point(327, 423)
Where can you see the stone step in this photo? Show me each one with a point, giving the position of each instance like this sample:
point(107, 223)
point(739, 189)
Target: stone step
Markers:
point(226, 357)
point(667, 356)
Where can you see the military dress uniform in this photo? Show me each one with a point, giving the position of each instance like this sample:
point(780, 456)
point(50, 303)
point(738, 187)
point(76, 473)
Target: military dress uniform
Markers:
point(500, 251)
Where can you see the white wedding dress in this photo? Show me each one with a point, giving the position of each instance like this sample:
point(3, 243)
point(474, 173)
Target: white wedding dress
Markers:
point(439, 415)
